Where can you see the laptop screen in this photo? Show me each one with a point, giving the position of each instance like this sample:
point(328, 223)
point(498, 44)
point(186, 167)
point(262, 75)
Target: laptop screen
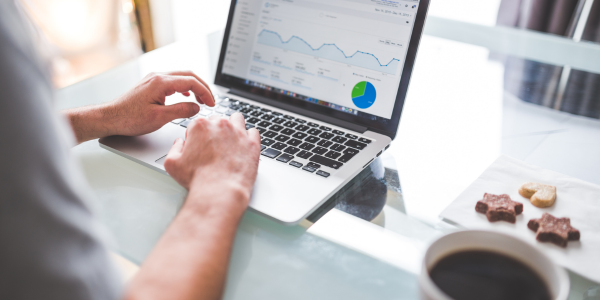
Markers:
point(346, 55)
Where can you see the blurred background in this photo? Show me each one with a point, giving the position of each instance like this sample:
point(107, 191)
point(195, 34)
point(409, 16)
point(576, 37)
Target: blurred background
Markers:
point(82, 38)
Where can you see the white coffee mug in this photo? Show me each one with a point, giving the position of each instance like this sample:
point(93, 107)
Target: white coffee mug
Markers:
point(555, 277)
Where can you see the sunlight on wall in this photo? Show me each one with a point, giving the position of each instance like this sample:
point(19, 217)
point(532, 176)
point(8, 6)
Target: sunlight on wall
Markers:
point(82, 38)
point(197, 18)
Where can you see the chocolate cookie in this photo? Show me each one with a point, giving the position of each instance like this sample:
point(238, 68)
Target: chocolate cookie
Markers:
point(554, 230)
point(499, 208)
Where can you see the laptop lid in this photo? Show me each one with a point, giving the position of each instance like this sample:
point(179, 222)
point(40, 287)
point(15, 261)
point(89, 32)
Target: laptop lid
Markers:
point(348, 60)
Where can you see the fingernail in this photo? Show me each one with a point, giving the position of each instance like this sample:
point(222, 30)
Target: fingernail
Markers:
point(196, 109)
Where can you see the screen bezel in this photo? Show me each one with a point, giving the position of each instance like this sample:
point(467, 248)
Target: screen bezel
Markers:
point(387, 127)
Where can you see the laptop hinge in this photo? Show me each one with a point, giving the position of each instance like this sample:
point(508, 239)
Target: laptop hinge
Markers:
point(300, 111)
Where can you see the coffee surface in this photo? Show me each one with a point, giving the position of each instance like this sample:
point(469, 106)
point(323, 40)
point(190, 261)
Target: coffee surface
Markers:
point(487, 275)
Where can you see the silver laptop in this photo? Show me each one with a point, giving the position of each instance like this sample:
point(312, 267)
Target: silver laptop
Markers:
point(323, 81)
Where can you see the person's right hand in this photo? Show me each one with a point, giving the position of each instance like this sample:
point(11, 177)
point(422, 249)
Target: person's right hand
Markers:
point(218, 154)
point(217, 163)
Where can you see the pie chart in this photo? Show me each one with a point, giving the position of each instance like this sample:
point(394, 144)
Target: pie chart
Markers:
point(364, 94)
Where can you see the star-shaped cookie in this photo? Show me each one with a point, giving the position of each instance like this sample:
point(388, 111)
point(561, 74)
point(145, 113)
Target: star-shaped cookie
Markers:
point(499, 208)
point(558, 231)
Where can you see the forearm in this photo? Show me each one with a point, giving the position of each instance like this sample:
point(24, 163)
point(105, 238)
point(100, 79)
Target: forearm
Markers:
point(90, 122)
point(191, 259)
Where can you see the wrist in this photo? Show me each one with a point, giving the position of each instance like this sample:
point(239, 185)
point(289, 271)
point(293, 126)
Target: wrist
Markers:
point(209, 195)
point(92, 122)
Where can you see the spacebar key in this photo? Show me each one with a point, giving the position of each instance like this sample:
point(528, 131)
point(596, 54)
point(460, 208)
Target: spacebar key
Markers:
point(326, 161)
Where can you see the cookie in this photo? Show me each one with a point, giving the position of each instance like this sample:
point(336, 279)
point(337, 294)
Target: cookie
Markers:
point(540, 195)
point(555, 230)
point(499, 208)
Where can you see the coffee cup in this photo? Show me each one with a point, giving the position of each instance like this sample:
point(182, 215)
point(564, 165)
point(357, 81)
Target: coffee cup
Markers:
point(477, 264)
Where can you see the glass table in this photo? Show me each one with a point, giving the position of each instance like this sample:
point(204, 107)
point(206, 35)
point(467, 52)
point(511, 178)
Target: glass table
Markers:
point(467, 104)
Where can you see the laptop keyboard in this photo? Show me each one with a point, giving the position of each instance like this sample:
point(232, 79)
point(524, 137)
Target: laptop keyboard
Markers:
point(285, 138)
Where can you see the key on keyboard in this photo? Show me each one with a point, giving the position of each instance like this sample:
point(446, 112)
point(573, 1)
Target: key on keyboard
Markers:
point(288, 131)
point(267, 142)
point(282, 138)
point(326, 135)
point(323, 173)
point(291, 150)
point(324, 143)
point(279, 146)
point(337, 147)
point(332, 154)
point(356, 145)
point(299, 135)
point(285, 158)
point(307, 146)
point(264, 124)
point(270, 134)
point(295, 164)
point(312, 139)
point(309, 169)
point(302, 128)
point(294, 142)
point(351, 151)
point(319, 150)
point(276, 127)
point(326, 161)
point(339, 139)
point(314, 132)
point(290, 124)
point(271, 153)
point(304, 154)
point(278, 120)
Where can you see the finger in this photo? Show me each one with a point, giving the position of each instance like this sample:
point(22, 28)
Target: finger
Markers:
point(253, 134)
point(176, 150)
point(179, 110)
point(187, 94)
point(238, 122)
point(180, 84)
point(215, 117)
point(190, 73)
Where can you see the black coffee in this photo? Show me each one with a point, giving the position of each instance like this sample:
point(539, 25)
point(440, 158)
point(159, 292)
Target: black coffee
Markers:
point(487, 275)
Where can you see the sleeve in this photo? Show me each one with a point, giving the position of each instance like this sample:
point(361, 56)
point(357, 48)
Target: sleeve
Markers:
point(50, 245)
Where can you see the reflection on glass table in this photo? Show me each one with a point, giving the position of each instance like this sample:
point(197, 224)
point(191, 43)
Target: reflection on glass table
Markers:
point(540, 83)
point(367, 242)
point(366, 195)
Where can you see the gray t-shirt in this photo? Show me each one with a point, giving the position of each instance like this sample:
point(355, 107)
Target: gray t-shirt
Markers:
point(49, 240)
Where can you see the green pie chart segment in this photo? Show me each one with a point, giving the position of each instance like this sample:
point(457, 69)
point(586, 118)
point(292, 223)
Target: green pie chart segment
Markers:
point(364, 94)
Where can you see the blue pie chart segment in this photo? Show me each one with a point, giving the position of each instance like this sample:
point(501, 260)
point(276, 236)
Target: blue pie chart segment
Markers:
point(364, 94)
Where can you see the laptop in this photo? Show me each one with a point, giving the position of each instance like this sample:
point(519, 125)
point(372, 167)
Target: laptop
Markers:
point(324, 83)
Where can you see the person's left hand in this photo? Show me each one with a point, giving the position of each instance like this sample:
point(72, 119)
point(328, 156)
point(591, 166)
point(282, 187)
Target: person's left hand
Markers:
point(142, 109)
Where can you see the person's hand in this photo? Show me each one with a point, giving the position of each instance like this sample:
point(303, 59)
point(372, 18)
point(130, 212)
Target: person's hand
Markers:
point(217, 153)
point(217, 163)
point(142, 109)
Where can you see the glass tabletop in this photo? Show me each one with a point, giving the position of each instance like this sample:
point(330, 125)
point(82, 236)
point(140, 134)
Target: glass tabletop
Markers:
point(477, 91)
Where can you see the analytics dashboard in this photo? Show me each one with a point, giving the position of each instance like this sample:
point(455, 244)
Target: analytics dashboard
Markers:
point(346, 54)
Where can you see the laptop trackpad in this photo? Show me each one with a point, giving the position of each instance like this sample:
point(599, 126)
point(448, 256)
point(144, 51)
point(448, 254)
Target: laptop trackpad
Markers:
point(151, 148)
point(161, 161)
